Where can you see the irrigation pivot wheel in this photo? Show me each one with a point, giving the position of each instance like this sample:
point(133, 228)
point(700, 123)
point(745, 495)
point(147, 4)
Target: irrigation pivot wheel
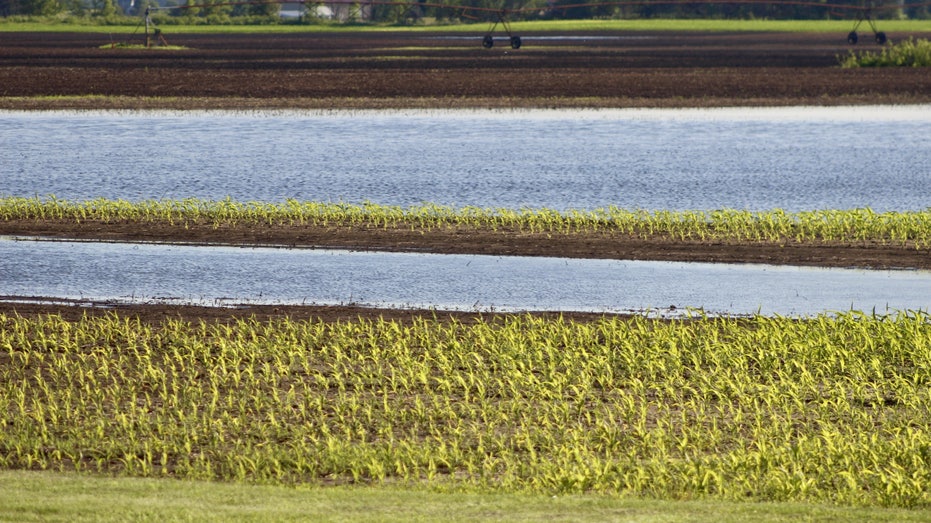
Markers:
point(866, 16)
point(501, 18)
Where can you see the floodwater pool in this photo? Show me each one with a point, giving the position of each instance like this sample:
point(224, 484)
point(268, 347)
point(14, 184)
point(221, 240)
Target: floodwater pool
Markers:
point(214, 275)
point(800, 158)
point(682, 159)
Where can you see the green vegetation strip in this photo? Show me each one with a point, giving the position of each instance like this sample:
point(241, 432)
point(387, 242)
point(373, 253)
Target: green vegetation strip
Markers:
point(71, 498)
point(912, 229)
point(131, 25)
point(910, 53)
point(832, 409)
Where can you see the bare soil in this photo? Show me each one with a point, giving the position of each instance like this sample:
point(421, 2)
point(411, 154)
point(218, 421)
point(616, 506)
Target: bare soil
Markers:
point(443, 70)
point(407, 69)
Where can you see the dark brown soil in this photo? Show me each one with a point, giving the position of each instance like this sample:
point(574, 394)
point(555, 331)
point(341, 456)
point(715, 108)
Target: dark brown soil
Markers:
point(156, 312)
point(406, 69)
point(501, 242)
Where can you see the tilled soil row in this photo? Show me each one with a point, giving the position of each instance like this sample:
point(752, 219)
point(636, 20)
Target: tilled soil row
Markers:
point(443, 70)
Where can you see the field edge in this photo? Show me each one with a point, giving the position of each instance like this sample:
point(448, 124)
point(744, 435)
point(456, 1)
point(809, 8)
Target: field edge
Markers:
point(56, 496)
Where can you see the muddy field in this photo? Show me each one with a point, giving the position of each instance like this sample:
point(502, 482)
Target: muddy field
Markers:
point(408, 69)
point(394, 70)
point(463, 241)
point(498, 242)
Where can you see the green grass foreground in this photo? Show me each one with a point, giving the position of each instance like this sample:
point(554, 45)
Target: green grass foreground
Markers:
point(51, 497)
point(910, 229)
point(827, 410)
point(815, 26)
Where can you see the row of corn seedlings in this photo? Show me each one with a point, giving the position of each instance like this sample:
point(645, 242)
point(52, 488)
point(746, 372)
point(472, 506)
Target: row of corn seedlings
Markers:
point(855, 225)
point(833, 408)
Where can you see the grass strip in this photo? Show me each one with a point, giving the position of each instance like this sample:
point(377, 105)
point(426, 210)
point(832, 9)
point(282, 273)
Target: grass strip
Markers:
point(50, 497)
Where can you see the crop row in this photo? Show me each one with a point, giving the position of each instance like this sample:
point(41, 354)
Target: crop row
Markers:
point(830, 409)
point(856, 225)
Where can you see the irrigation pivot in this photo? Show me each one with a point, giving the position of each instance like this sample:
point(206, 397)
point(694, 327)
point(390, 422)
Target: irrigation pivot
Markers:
point(503, 15)
point(866, 14)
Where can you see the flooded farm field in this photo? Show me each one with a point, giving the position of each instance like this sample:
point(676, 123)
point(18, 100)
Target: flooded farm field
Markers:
point(140, 273)
point(757, 159)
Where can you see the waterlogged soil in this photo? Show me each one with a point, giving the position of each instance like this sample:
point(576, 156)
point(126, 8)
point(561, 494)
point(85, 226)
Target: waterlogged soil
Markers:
point(422, 69)
point(500, 242)
point(495, 242)
point(443, 70)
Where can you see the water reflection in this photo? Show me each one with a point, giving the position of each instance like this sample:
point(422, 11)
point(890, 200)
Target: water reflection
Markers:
point(757, 159)
point(227, 275)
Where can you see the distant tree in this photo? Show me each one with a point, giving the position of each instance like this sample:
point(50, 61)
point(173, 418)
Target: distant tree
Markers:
point(916, 9)
point(216, 10)
point(105, 8)
point(578, 10)
point(190, 11)
point(264, 9)
point(34, 7)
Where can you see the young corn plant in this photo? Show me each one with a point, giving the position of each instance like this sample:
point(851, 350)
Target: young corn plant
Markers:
point(827, 409)
point(910, 229)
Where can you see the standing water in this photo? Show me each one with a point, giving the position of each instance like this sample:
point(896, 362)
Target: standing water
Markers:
point(757, 159)
point(231, 275)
